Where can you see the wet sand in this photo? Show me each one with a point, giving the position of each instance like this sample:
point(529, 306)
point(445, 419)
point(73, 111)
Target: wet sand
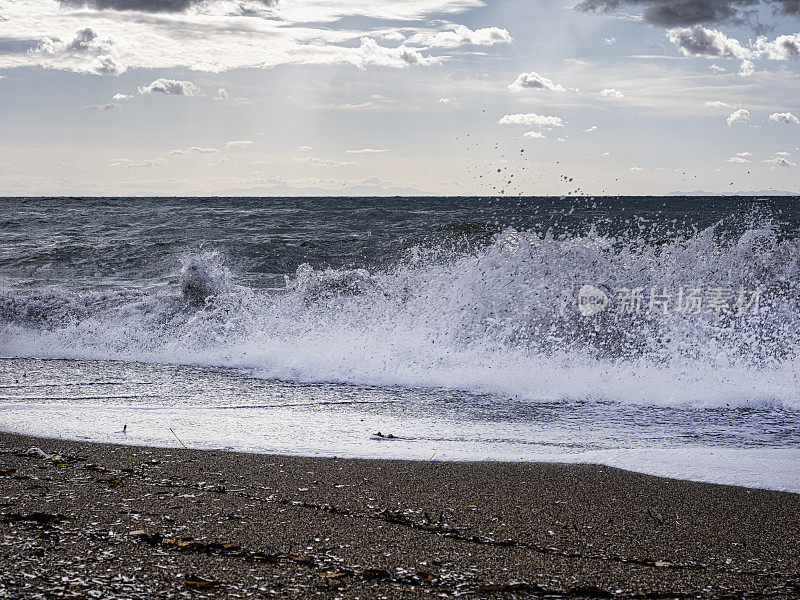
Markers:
point(106, 521)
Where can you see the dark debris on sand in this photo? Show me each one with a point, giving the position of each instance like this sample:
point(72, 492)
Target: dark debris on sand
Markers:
point(81, 520)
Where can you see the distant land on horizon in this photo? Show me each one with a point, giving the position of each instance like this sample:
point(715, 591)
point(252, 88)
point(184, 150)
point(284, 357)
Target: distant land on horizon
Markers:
point(745, 193)
point(367, 191)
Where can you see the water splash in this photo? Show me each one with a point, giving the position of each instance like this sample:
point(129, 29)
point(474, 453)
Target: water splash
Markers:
point(203, 274)
point(501, 319)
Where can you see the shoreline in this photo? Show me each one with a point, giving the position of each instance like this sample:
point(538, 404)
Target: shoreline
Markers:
point(699, 472)
point(104, 520)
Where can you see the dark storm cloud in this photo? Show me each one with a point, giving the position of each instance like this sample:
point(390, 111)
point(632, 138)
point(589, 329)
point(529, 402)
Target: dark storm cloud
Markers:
point(677, 13)
point(164, 6)
point(150, 6)
point(691, 12)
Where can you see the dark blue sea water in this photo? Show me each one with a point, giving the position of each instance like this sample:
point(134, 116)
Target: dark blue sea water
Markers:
point(129, 240)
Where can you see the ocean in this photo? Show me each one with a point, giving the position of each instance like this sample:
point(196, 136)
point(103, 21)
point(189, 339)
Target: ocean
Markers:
point(658, 334)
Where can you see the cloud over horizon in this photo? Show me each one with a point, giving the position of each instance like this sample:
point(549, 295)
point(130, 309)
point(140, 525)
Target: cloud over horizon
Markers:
point(786, 118)
point(171, 87)
point(532, 119)
point(194, 150)
point(239, 144)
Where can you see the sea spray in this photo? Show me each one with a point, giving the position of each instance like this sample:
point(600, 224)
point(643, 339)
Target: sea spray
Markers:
point(501, 318)
point(203, 274)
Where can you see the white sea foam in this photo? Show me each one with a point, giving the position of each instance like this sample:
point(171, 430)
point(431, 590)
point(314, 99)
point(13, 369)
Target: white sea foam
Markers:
point(502, 320)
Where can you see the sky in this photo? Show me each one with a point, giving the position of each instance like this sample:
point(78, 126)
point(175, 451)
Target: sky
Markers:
point(435, 97)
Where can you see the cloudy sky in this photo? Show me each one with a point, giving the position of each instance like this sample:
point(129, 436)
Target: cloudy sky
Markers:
point(454, 97)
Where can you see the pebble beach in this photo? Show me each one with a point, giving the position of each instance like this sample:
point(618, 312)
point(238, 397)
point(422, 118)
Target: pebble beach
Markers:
point(86, 520)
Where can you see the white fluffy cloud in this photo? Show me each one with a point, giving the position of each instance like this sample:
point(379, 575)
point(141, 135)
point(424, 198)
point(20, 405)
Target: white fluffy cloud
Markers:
point(740, 158)
point(194, 150)
point(712, 43)
point(127, 163)
point(171, 87)
point(372, 53)
point(222, 94)
point(532, 120)
point(701, 41)
point(747, 68)
point(85, 51)
point(740, 116)
point(779, 161)
point(534, 81)
point(537, 135)
point(239, 144)
point(323, 162)
point(591, 129)
point(611, 93)
point(718, 104)
point(367, 151)
point(786, 118)
point(783, 47)
point(460, 35)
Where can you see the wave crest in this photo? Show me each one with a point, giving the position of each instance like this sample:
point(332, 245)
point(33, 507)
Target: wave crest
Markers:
point(203, 274)
point(501, 320)
point(318, 285)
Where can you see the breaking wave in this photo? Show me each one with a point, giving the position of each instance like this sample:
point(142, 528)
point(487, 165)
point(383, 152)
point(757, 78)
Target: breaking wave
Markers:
point(502, 320)
point(203, 275)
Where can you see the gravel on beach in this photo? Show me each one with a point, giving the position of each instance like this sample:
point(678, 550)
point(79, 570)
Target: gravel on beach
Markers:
point(86, 520)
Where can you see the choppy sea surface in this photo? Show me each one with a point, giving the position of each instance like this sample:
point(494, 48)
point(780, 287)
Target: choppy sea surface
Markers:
point(655, 334)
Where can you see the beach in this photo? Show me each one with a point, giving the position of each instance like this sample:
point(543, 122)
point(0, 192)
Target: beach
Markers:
point(93, 520)
point(413, 299)
point(388, 398)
